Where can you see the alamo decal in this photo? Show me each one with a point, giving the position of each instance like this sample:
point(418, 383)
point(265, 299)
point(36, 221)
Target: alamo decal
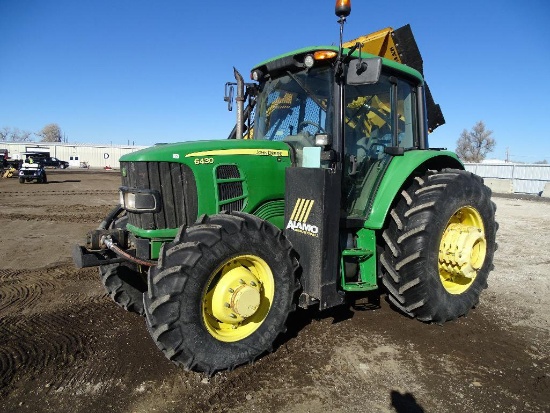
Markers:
point(299, 217)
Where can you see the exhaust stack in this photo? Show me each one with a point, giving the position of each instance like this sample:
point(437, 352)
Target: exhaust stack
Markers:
point(240, 103)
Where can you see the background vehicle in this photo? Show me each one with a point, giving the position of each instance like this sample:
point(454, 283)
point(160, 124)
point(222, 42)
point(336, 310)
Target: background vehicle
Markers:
point(335, 192)
point(32, 172)
point(9, 163)
point(55, 163)
point(46, 160)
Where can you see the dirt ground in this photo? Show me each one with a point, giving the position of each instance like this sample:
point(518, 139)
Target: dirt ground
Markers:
point(65, 347)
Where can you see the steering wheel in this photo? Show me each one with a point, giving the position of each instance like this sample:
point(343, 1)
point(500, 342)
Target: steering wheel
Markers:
point(307, 122)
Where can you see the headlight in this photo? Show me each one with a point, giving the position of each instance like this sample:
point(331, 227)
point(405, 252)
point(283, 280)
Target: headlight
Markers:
point(139, 200)
point(309, 61)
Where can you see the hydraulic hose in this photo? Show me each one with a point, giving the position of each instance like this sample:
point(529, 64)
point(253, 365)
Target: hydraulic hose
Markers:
point(109, 243)
point(111, 216)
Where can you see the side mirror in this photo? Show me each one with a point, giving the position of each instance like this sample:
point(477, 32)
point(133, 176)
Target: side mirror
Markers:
point(228, 97)
point(364, 71)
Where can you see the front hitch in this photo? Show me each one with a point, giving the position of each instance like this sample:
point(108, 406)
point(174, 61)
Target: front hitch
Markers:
point(96, 252)
point(106, 246)
point(95, 240)
point(83, 257)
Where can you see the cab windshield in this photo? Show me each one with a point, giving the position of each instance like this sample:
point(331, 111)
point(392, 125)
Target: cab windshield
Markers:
point(295, 106)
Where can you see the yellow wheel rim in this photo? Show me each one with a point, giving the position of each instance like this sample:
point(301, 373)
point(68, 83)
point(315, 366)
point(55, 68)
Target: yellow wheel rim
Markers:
point(237, 298)
point(462, 250)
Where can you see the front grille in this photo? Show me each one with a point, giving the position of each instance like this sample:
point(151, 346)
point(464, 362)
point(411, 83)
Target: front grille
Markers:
point(228, 191)
point(176, 184)
point(227, 172)
point(231, 194)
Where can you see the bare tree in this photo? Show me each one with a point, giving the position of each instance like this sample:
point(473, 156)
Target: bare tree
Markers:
point(50, 133)
point(21, 135)
point(474, 145)
point(5, 133)
point(14, 135)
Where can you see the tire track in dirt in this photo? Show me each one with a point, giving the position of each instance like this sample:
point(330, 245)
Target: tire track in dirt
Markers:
point(21, 288)
point(36, 334)
point(75, 218)
point(90, 193)
point(55, 208)
point(80, 214)
point(32, 344)
point(20, 296)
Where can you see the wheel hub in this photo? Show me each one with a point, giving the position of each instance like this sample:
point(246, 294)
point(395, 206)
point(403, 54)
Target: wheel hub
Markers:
point(462, 250)
point(237, 296)
point(245, 301)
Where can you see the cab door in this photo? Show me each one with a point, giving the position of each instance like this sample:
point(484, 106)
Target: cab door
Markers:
point(376, 116)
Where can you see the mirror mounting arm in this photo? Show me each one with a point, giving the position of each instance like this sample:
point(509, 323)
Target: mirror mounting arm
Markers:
point(361, 66)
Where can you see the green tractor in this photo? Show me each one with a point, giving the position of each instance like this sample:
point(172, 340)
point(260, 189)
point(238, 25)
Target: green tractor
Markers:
point(325, 189)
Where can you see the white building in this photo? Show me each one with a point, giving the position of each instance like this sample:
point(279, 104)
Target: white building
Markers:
point(77, 154)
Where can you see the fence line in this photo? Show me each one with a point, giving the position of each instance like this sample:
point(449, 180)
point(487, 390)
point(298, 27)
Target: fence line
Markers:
point(523, 178)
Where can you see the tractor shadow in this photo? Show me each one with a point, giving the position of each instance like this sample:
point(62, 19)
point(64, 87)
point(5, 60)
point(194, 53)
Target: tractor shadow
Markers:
point(405, 403)
point(301, 318)
point(64, 181)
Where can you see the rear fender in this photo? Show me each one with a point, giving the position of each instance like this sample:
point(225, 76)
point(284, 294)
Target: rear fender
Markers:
point(401, 170)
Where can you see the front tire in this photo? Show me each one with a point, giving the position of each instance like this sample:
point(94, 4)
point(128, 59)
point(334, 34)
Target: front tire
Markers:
point(221, 292)
point(440, 243)
point(124, 282)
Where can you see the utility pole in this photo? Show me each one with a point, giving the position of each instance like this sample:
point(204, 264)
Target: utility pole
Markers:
point(507, 154)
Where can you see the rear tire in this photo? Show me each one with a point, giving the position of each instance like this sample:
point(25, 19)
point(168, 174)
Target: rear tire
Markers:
point(440, 243)
point(221, 292)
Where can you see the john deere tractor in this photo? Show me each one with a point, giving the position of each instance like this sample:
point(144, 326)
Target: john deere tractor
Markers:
point(325, 189)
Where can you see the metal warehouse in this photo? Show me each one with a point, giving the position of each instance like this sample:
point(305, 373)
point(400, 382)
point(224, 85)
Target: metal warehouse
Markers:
point(78, 155)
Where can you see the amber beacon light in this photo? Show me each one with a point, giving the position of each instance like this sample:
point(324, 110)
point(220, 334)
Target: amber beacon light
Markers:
point(343, 8)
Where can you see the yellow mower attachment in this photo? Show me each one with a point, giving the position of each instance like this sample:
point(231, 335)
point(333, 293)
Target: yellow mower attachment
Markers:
point(9, 173)
point(400, 46)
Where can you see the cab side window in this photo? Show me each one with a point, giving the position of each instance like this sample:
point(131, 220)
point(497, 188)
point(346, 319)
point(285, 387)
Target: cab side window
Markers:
point(367, 124)
point(406, 98)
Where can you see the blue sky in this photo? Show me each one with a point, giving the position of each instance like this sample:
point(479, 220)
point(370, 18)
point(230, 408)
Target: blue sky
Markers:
point(143, 72)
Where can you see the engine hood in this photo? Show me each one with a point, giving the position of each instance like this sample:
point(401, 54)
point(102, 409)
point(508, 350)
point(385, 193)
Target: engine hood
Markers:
point(179, 152)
